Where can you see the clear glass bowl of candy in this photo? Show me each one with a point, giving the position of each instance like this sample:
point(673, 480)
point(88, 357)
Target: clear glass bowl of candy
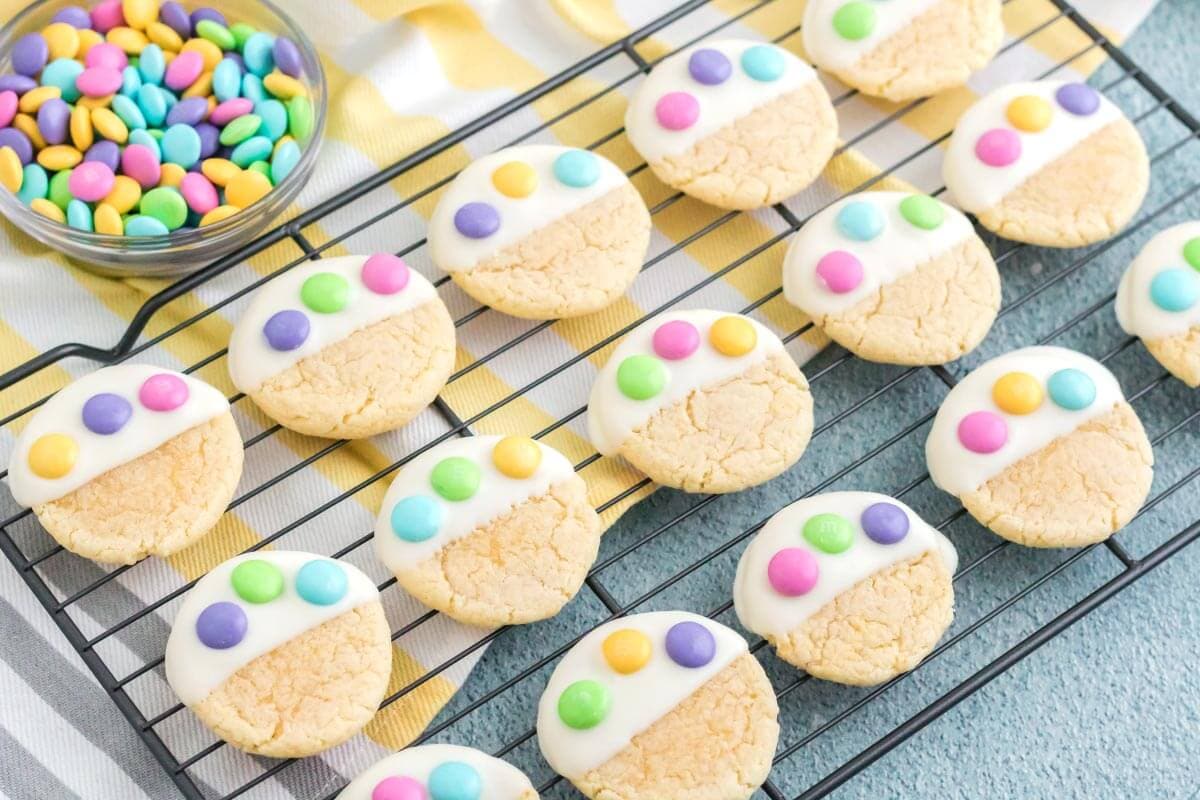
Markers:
point(152, 137)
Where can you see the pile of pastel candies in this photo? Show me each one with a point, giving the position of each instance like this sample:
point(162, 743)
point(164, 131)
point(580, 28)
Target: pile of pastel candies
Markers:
point(793, 571)
point(679, 110)
point(1020, 393)
point(584, 704)
point(641, 377)
point(840, 271)
point(450, 780)
point(1178, 288)
point(224, 624)
point(1000, 147)
point(417, 517)
point(137, 118)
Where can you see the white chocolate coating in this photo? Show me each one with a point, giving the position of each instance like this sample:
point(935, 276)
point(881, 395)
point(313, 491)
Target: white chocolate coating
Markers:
point(975, 185)
point(638, 700)
point(194, 669)
point(1136, 312)
point(957, 470)
point(519, 216)
point(720, 105)
point(501, 780)
point(767, 612)
point(898, 250)
point(98, 453)
point(497, 494)
point(612, 416)
point(251, 358)
point(828, 50)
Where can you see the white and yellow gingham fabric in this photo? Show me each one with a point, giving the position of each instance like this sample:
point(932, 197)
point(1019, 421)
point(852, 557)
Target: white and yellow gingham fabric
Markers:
point(402, 74)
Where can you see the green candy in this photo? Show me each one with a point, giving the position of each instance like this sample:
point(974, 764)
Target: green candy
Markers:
point(166, 205)
point(641, 377)
point(584, 704)
point(854, 20)
point(829, 533)
point(1191, 252)
point(300, 118)
point(455, 478)
point(922, 211)
point(325, 292)
point(257, 581)
point(241, 32)
point(60, 192)
point(216, 33)
point(261, 167)
point(241, 128)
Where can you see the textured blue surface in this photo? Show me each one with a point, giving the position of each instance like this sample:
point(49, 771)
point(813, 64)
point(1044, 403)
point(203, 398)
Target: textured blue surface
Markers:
point(1109, 709)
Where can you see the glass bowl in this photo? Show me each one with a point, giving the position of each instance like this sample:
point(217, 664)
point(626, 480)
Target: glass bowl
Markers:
point(179, 252)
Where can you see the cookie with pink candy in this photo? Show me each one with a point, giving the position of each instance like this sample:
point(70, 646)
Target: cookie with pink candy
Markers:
point(440, 772)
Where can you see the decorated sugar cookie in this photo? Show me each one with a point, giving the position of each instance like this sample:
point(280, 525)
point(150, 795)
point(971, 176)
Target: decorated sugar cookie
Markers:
point(490, 530)
point(440, 772)
point(1049, 163)
point(902, 49)
point(703, 401)
point(281, 653)
point(660, 705)
point(128, 461)
point(735, 123)
point(1040, 445)
point(1158, 300)
point(343, 347)
point(894, 277)
point(851, 587)
point(541, 232)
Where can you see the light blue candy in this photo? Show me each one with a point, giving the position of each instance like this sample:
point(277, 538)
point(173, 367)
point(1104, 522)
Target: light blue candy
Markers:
point(227, 80)
point(62, 72)
point(274, 119)
point(1175, 289)
point(252, 88)
point(416, 518)
point(860, 220)
point(152, 102)
point(258, 55)
point(79, 215)
point(147, 138)
point(181, 145)
point(131, 81)
point(763, 62)
point(128, 111)
point(256, 148)
point(141, 225)
point(286, 157)
point(171, 98)
point(1071, 389)
point(455, 780)
point(577, 168)
point(35, 183)
point(152, 65)
point(321, 582)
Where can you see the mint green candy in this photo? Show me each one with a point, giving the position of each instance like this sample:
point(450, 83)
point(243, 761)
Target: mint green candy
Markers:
point(241, 32)
point(325, 292)
point(829, 533)
point(256, 148)
point(922, 211)
point(300, 118)
point(584, 704)
point(641, 377)
point(60, 192)
point(1191, 250)
point(262, 168)
point(216, 33)
point(854, 21)
point(241, 129)
point(455, 478)
point(257, 581)
point(165, 204)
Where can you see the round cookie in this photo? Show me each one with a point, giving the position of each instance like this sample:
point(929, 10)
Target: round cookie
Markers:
point(440, 772)
point(281, 654)
point(343, 347)
point(1048, 163)
point(851, 587)
point(489, 530)
point(128, 461)
point(894, 277)
point(541, 232)
point(902, 49)
point(1040, 445)
point(1158, 300)
point(736, 123)
point(661, 705)
point(703, 401)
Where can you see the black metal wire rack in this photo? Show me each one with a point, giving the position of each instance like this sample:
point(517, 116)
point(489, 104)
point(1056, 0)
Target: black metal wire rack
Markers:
point(851, 386)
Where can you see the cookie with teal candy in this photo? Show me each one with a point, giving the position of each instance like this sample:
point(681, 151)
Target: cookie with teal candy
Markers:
point(440, 772)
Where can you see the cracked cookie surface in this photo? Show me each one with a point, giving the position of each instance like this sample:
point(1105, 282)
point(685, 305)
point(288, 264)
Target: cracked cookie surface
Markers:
point(1180, 354)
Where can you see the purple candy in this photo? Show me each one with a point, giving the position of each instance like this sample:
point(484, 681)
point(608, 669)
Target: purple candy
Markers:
point(188, 111)
point(174, 17)
point(287, 57)
point(29, 54)
point(287, 329)
point(74, 16)
point(17, 83)
point(53, 117)
point(885, 523)
point(209, 139)
point(690, 644)
point(709, 67)
point(11, 137)
point(477, 220)
point(1078, 98)
point(106, 413)
point(221, 625)
point(106, 152)
point(208, 13)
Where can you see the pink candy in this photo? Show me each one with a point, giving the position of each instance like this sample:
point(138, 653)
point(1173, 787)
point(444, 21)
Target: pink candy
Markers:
point(184, 70)
point(677, 111)
point(999, 147)
point(982, 432)
point(840, 271)
point(163, 392)
point(675, 340)
point(91, 181)
point(199, 193)
point(793, 571)
point(398, 788)
point(106, 55)
point(230, 110)
point(98, 81)
point(8, 108)
point(107, 15)
point(384, 273)
point(140, 163)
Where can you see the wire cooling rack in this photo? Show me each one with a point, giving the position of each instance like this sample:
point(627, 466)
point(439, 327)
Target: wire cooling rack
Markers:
point(849, 385)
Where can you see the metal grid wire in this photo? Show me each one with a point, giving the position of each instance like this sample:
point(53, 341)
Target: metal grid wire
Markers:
point(181, 766)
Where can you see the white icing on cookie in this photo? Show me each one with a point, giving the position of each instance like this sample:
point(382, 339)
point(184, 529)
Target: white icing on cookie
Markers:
point(720, 105)
point(957, 470)
point(453, 251)
point(98, 453)
point(501, 780)
point(612, 416)
point(194, 669)
point(496, 495)
point(829, 50)
point(766, 611)
point(976, 186)
point(639, 699)
point(1138, 314)
point(252, 359)
point(899, 249)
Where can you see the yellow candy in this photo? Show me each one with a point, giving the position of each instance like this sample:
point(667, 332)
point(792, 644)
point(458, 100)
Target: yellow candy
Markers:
point(208, 51)
point(48, 210)
point(54, 454)
point(131, 41)
point(219, 170)
point(124, 195)
point(59, 157)
point(217, 214)
point(626, 650)
point(11, 173)
point(32, 100)
point(285, 87)
point(91, 103)
point(109, 125)
point(172, 174)
point(201, 87)
point(107, 219)
point(164, 36)
point(139, 13)
point(62, 40)
point(81, 128)
point(1029, 113)
point(733, 336)
point(517, 456)
point(246, 188)
point(88, 39)
point(1017, 393)
point(27, 125)
point(515, 179)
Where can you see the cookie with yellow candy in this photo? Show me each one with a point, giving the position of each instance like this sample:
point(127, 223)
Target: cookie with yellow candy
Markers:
point(489, 530)
point(703, 401)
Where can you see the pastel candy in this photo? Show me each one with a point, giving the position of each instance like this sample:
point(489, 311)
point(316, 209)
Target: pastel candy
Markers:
point(106, 413)
point(677, 111)
point(163, 392)
point(982, 432)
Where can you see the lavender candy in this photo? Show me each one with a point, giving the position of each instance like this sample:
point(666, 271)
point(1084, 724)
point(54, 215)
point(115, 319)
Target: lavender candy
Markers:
point(106, 152)
point(188, 111)
point(74, 16)
point(53, 119)
point(208, 13)
point(11, 137)
point(30, 54)
point(174, 17)
point(287, 57)
point(210, 137)
point(17, 83)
